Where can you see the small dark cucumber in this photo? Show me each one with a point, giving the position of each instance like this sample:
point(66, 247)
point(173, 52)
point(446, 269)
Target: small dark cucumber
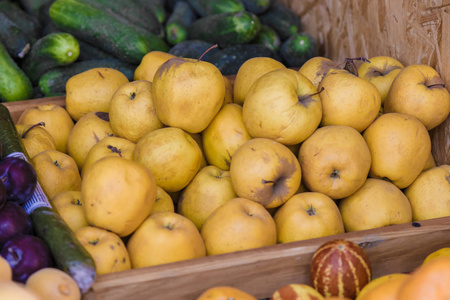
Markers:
point(193, 49)
point(226, 29)
point(157, 6)
point(257, 6)
point(28, 23)
point(297, 49)
point(15, 40)
point(50, 51)
point(207, 7)
point(178, 23)
point(37, 8)
point(14, 84)
point(53, 82)
point(99, 28)
point(268, 37)
point(281, 18)
point(89, 52)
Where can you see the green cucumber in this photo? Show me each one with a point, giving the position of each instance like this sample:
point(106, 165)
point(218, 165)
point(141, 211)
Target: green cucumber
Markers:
point(192, 49)
point(178, 23)
point(15, 40)
point(282, 19)
point(268, 37)
point(37, 8)
point(14, 84)
point(207, 7)
point(68, 253)
point(157, 6)
point(257, 6)
point(89, 52)
point(226, 29)
point(97, 27)
point(297, 49)
point(53, 82)
point(50, 51)
point(29, 24)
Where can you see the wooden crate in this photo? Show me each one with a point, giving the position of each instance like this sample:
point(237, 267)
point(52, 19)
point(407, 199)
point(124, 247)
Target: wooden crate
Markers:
point(413, 31)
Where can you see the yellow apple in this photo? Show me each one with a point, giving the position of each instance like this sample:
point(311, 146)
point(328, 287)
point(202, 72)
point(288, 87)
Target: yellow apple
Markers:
point(418, 90)
point(117, 194)
point(11, 290)
point(400, 146)
point(381, 71)
point(171, 154)
point(335, 161)
point(187, 93)
point(306, 216)
point(348, 100)
point(429, 194)
point(108, 146)
point(282, 105)
point(163, 202)
point(249, 72)
point(53, 284)
point(198, 138)
point(445, 251)
point(297, 291)
point(5, 270)
point(225, 292)
point(131, 110)
point(106, 249)
point(88, 131)
point(69, 205)
point(376, 204)
point(265, 171)
point(385, 288)
point(209, 189)
point(224, 135)
point(377, 282)
point(57, 172)
point(316, 68)
point(35, 138)
point(238, 224)
point(57, 122)
point(228, 98)
point(430, 162)
point(150, 63)
point(163, 238)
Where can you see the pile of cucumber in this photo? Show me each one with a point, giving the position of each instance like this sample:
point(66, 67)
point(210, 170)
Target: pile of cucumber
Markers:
point(45, 42)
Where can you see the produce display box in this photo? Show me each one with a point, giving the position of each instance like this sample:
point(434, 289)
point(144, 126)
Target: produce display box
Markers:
point(414, 32)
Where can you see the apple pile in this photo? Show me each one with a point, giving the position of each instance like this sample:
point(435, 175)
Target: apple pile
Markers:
point(182, 162)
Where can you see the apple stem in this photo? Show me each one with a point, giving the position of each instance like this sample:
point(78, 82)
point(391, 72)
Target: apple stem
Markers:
point(350, 64)
point(35, 125)
point(207, 50)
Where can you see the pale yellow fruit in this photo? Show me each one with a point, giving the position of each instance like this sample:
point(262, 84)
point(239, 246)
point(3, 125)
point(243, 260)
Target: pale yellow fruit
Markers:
point(316, 68)
point(381, 71)
point(118, 194)
point(5, 270)
point(198, 138)
point(36, 139)
point(69, 205)
point(163, 238)
point(150, 63)
point(228, 98)
point(209, 189)
point(56, 119)
point(335, 161)
point(282, 105)
point(239, 224)
point(57, 172)
point(419, 91)
point(163, 202)
point(11, 290)
point(171, 154)
point(53, 284)
point(131, 110)
point(106, 249)
point(306, 216)
point(348, 100)
point(430, 163)
point(299, 291)
point(265, 171)
point(91, 91)
point(249, 72)
point(108, 146)
point(376, 204)
point(88, 131)
point(384, 287)
point(438, 253)
point(400, 146)
point(224, 135)
point(429, 194)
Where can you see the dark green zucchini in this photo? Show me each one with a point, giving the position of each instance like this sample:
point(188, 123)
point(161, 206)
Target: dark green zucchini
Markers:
point(207, 7)
point(15, 40)
point(297, 49)
point(14, 84)
point(68, 253)
point(282, 19)
point(229, 60)
point(257, 6)
point(193, 49)
point(157, 6)
point(37, 8)
point(50, 51)
point(53, 82)
point(268, 37)
point(178, 23)
point(29, 24)
point(97, 27)
point(226, 29)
